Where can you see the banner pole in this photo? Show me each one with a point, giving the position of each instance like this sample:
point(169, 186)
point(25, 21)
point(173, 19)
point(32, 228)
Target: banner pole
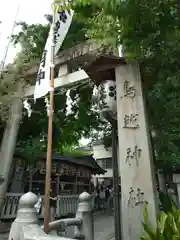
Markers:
point(49, 144)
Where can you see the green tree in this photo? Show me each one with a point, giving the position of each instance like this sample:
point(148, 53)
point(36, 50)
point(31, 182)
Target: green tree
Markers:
point(67, 129)
point(150, 33)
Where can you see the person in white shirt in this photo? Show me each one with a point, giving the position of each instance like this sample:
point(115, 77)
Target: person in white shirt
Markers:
point(38, 205)
point(53, 205)
point(102, 197)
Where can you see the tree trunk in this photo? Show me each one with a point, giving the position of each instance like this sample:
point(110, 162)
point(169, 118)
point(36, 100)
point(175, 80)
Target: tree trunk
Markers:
point(8, 145)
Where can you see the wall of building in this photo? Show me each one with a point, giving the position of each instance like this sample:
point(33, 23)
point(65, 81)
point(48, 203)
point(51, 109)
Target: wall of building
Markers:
point(99, 151)
point(16, 179)
point(103, 157)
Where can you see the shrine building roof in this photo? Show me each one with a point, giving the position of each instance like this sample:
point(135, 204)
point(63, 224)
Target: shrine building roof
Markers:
point(86, 161)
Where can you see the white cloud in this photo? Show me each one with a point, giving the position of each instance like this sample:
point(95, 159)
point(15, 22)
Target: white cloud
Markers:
point(30, 11)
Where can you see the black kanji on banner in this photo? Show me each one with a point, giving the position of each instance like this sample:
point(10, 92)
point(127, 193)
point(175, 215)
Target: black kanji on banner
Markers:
point(55, 37)
point(43, 60)
point(40, 76)
point(56, 29)
point(62, 16)
point(62, 19)
point(57, 25)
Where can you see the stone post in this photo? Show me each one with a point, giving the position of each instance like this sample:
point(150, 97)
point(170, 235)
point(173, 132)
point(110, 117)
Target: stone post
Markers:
point(162, 183)
point(84, 212)
point(135, 153)
point(8, 145)
point(176, 180)
point(26, 215)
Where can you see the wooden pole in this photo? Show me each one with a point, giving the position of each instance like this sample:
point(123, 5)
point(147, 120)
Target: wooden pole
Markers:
point(49, 145)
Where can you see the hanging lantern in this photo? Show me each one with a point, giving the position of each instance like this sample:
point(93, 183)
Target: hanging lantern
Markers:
point(107, 97)
point(101, 71)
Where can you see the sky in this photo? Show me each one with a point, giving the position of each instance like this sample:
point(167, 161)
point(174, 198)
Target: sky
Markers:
point(30, 11)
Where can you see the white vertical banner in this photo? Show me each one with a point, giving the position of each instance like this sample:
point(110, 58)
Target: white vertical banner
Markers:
point(62, 22)
point(43, 77)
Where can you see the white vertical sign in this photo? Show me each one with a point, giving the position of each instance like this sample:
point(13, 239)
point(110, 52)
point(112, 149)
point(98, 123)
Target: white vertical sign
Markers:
point(135, 154)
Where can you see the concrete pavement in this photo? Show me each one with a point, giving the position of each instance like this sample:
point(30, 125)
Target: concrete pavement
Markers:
point(103, 228)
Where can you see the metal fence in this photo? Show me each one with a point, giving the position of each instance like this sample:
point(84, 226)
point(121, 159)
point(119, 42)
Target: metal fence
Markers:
point(66, 204)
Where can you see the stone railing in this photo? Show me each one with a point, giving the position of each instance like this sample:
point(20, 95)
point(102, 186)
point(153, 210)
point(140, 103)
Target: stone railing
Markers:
point(66, 205)
point(26, 225)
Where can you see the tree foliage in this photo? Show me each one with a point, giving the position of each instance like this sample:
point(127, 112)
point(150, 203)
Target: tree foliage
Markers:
point(31, 37)
point(67, 129)
point(150, 33)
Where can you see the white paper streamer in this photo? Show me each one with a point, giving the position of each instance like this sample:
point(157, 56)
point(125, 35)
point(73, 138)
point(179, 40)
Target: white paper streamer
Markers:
point(68, 103)
point(95, 91)
point(47, 105)
point(27, 106)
